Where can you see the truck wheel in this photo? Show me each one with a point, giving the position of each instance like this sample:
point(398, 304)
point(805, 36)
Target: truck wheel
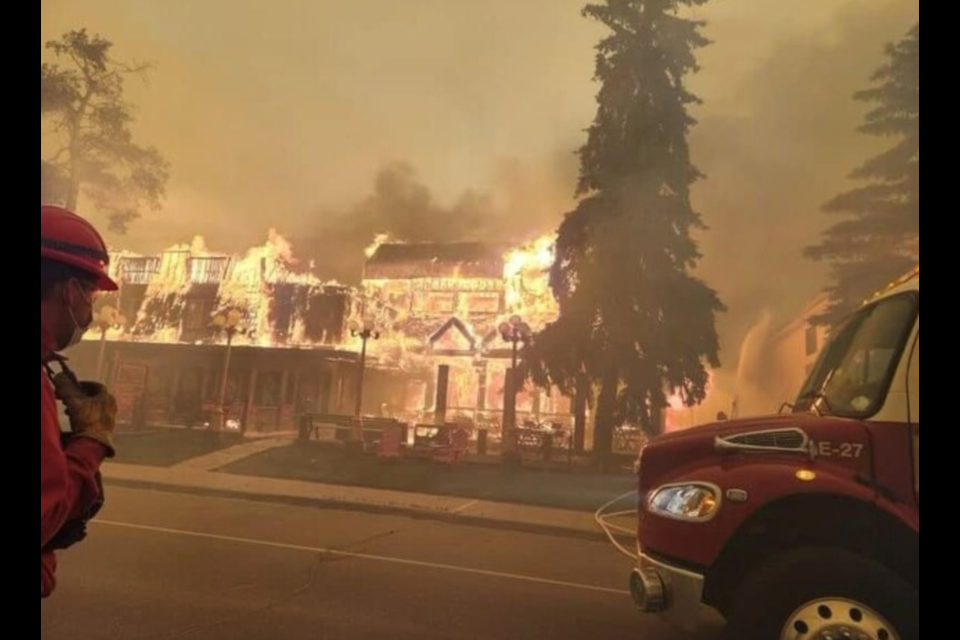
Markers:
point(818, 594)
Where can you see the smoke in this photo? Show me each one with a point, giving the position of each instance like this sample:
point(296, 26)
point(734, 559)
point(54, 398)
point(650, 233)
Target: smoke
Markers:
point(402, 208)
point(757, 392)
point(289, 119)
point(773, 160)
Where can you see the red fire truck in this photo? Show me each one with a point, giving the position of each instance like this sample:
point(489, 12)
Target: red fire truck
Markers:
point(804, 525)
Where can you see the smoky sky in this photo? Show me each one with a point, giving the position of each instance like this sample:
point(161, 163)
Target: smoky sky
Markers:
point(402, 208)
point(431, 119)
point(772, 167)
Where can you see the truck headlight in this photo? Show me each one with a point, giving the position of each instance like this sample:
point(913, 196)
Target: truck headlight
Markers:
point(693, 502)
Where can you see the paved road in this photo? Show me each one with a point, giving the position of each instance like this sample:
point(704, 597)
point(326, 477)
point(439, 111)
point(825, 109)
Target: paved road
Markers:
point(169, 566)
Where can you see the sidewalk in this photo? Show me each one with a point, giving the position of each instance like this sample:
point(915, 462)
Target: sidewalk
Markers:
point(201, 475)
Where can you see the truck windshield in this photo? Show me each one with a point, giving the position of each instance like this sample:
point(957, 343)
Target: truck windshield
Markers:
point(853, 374)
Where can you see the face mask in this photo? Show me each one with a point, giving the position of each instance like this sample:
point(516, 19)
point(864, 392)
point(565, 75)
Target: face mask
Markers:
point(78, 330)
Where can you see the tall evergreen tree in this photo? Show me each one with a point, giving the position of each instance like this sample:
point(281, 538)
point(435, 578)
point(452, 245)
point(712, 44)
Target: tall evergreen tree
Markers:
point(878, 238)
point(633, 320)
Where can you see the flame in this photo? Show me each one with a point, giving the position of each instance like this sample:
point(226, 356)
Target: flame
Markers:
point(526, 273)
point(251, 290)
point(248, 282)
point(538, 255)
point(380, 240)
point(196, 247)
point(199, 246)
point(245, 287)
point(679, 416)
point(407, 319)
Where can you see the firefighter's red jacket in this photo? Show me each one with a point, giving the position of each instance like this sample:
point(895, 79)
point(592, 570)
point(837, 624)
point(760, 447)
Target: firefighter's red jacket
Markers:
point(68, 484)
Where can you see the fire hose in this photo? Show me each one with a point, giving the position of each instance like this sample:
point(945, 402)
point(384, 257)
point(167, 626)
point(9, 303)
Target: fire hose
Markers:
point(604, 521)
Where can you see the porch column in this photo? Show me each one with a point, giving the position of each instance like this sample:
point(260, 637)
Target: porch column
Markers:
point(249, 410)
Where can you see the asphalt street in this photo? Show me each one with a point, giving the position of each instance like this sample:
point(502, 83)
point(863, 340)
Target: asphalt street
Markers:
point(170, 566)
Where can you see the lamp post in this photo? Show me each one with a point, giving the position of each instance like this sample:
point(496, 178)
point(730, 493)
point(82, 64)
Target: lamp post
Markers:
point(106, 318)
point(365, 331)
point(229, 324)
point(516, 332)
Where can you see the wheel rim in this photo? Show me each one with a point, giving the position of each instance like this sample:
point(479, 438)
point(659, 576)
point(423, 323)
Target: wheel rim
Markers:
point(837, 619)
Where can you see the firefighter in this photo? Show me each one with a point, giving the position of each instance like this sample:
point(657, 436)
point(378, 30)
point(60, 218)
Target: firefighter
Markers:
point(73, 270)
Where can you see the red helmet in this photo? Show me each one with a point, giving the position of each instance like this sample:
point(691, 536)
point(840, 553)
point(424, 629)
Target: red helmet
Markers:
point(66, 237)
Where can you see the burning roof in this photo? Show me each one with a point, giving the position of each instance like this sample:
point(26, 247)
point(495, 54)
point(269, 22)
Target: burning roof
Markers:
point(394, 261)
point(175, 295)
point(424, 297)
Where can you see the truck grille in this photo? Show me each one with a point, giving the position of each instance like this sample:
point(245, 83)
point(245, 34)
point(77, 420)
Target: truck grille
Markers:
point(790, 439)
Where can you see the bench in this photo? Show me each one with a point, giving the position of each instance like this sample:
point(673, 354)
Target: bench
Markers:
point(447, 444)
point(339, 429)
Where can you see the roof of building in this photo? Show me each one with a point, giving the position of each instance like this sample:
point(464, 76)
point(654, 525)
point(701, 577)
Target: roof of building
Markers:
point(437, 260)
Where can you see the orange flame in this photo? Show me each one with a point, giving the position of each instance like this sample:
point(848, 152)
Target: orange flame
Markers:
point(380, 240)
point(244, 284)
point(527, 276)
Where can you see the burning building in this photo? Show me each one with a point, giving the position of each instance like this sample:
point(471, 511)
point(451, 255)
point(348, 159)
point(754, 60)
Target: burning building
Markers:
point(442, 305)
point(163, 346)
point(291, 343)
point(171, 297)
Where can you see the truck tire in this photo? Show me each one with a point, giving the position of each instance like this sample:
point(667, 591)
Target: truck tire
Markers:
point(816, 593)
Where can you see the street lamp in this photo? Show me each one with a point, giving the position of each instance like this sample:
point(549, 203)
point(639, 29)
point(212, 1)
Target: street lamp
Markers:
point(106, 318)
point(516, 332)
point(229, 324)
point(365, 331)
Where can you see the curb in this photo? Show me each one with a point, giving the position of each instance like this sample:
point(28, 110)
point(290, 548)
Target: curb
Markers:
point(361, 507)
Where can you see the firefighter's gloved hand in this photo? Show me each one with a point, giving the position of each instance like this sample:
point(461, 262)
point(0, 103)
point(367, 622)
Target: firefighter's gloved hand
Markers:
point(91, 408)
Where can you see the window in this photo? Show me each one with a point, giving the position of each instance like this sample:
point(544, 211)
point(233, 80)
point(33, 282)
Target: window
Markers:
point(198, 315)
point(207, 270)
point(483, 303)
point(434, 303)
point(138, 270)
point(855, 370)
point(324, 316)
